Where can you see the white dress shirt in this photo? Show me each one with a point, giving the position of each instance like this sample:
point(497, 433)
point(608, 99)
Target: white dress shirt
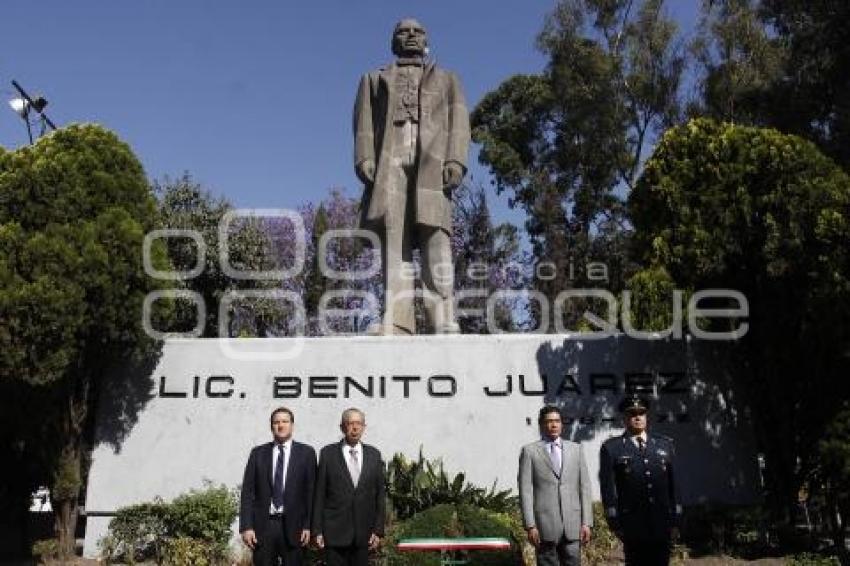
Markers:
point(346, 454)
point(635, 437)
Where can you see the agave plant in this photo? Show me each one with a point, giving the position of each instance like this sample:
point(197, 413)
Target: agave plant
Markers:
point(416, 485)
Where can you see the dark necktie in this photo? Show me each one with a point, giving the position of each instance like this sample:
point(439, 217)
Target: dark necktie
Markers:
point(277, 487)
point(641, 444)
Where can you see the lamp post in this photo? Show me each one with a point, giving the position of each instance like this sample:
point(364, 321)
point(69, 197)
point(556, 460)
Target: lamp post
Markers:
point(24, 104)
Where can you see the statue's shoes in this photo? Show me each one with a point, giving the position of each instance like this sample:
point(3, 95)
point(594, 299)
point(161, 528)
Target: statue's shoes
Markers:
point(449, 328)
point(383, 329)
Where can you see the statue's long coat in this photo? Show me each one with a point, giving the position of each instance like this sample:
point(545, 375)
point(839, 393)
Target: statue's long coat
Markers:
point(443, 136)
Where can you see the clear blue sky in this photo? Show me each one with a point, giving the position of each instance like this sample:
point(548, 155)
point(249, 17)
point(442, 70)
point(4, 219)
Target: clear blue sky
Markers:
point(253, 98)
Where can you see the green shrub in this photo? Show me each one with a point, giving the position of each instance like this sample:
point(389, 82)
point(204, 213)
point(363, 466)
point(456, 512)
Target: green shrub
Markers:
point(603, 542)
point(457, 521)
point(45, 550)
point(186, 551)
point(244, 557)
point(204, 515)
point(136, 533)
point(416, 485)
point(195, 524)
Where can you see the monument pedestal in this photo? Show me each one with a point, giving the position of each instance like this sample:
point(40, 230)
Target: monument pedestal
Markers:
point(468, 399)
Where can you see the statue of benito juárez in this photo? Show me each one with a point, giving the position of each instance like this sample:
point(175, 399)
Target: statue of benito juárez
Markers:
point(411, 137)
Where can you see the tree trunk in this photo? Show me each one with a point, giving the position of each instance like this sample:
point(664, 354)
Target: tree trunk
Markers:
point(67, 478)
point(66, 527)
point(839, 532)
point(65, 493)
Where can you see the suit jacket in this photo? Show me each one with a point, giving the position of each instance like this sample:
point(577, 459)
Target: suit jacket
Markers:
point(443, 136)
point(344, 514)
point(639, 491)
point(255, 500)
point(557, 504)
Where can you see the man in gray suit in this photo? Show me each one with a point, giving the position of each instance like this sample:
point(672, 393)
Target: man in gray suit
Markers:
point(554, 493)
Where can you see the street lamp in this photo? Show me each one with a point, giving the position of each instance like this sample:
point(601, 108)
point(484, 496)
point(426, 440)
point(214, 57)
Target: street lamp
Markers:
point(24, 104)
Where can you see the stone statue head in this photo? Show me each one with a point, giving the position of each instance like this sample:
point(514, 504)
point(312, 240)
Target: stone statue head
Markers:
point(409, 39)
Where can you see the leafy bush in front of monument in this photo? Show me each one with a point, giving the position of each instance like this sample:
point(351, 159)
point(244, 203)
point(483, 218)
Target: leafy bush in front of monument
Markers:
point(195, 525)
point(204, 515)
point(45, 551)
point(186, 551)
point(457, 521)
point(136, 533)
point(603, 541)
point(416, 485)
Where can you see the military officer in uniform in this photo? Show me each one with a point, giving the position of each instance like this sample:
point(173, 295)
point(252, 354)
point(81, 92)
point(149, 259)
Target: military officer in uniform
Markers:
point(638, 485)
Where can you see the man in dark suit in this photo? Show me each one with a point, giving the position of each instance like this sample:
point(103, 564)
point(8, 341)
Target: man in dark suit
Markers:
point(276, 504)
point(348, 509)
point(638, 487)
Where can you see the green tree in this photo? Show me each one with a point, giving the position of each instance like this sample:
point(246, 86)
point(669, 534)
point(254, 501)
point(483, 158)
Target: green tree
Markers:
point(815, 82)
point(767, 214)
point(651, 292)
point(487, 259)
point(343, 254)
point(185, 205)
point(739, 64)
point(75, 209)
point(315, 283)
point(568, 141)
point(778, 63)
point(834, 475)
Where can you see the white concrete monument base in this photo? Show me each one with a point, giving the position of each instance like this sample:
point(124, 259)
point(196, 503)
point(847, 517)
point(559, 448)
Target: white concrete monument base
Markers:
point(470, 400)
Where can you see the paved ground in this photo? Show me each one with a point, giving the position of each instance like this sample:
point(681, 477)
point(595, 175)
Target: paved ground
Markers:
point(725, 560)
point(703, 561)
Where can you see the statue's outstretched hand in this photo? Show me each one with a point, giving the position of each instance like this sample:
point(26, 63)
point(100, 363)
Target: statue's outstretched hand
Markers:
point(366, 171)
point(452, 175)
